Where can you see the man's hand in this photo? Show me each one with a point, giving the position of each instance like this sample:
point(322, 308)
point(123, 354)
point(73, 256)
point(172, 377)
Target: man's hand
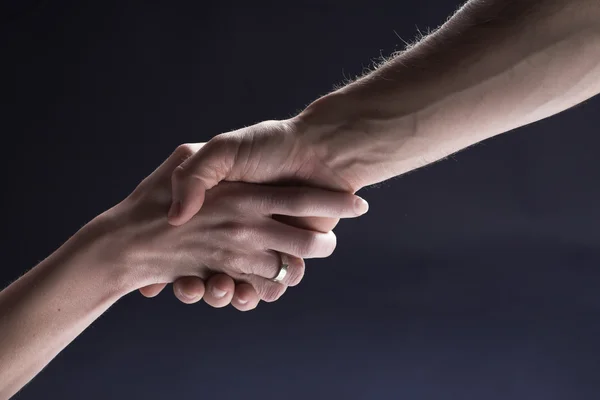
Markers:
point(269, 152)
point(494, 66)
point(223, 153)
point(272, 152)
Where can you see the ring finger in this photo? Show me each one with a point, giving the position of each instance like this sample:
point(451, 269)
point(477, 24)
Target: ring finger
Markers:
point(270, 265)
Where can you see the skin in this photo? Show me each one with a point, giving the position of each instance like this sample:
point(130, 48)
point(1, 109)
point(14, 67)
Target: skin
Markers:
point(132, 246)
point(492, 67)
point(188, 288)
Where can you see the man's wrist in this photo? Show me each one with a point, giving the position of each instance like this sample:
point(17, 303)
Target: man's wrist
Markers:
point(350, 138)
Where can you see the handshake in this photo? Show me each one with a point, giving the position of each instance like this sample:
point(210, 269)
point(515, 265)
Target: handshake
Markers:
point(231, 221)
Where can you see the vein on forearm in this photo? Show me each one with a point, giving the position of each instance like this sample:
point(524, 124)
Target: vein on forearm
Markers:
point(494, 66)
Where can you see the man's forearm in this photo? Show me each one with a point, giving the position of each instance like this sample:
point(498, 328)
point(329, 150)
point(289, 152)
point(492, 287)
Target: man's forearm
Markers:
point(494, 66)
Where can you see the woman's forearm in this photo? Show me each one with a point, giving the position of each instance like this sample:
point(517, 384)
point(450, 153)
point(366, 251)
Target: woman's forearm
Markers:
point(132, 246)
point(49, 306)
point(494, 66)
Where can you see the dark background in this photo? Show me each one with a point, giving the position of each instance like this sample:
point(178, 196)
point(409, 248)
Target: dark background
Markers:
point(474, 278)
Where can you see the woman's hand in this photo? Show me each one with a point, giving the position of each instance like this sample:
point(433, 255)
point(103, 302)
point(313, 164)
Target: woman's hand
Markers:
point(132, 246)
point(234, 233)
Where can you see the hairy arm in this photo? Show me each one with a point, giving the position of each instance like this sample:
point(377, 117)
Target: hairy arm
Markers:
point(495, 65)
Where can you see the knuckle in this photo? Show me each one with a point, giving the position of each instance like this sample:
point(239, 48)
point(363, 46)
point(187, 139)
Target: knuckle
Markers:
point(224, 142)
point(233, 231)
point(217, 254)
point(239, 233)
point(272, 292)
point(219, 140)
point(180, 172)
point(265, 270)
point(184, 151)
point(297, 273)
point(234, 264)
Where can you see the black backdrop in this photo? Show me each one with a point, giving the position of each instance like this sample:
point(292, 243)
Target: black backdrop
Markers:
point(474, 278)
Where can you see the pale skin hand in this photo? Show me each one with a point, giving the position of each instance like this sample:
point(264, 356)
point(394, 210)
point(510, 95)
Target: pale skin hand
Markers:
point(221, 287)
point(132, 245)
point(191, 289)
point(494, 66)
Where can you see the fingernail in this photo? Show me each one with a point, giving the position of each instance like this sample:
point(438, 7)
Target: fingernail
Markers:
point(361, 206)
point(218, 293)
point(187, 295)
point(175, 209)
point(241, 301)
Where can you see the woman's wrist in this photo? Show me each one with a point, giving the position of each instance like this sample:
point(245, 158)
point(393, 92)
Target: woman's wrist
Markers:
point(97, 251)
point(54, 302)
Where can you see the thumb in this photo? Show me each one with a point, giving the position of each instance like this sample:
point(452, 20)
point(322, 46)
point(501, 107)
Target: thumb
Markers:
point(204, 170)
